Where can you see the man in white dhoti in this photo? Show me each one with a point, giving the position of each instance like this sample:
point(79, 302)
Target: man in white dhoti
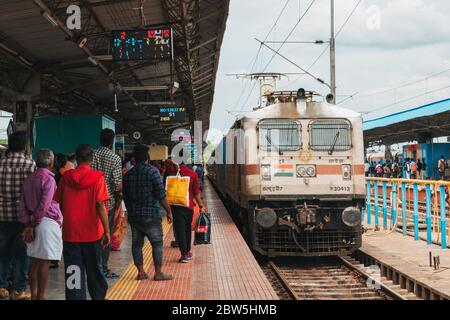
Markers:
point(43, 220)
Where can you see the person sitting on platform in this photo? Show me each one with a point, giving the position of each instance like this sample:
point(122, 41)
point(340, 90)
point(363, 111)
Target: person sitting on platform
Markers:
point(82, 195)
point(143, 190)
point(43, 220)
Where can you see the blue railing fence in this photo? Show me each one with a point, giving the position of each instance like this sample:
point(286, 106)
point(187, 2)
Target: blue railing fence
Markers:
point(420, 205)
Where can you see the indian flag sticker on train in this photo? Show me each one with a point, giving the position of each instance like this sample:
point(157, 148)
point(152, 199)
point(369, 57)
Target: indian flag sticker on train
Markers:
point(283, 170)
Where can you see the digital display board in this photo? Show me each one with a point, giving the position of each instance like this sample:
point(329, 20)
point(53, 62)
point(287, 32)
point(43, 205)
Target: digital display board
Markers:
point(149, 44)
point(172, 114)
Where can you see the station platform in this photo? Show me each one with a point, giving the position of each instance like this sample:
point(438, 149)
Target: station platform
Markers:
point(409, 259)
point(223, 270)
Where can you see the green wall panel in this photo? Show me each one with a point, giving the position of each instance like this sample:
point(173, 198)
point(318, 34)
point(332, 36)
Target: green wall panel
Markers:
point(64, 133)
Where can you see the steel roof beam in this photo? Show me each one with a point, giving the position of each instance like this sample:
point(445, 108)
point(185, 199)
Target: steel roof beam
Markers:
point(203, 79)
point(202, 96)
point(203, 44)
point(147, 88)
point(203, 66)
point(203, 90)
point(196, 89)
point(203, 73)
point(156, 103)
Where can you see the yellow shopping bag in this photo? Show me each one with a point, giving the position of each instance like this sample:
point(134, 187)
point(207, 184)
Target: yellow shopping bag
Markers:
point(177, 188)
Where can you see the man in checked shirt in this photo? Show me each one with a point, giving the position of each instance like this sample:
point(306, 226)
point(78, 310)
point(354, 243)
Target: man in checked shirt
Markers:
point(110, 164)
point(14, 169)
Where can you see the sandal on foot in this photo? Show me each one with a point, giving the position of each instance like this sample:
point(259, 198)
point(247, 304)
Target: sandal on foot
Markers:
point(142, 276)
point(162, 277)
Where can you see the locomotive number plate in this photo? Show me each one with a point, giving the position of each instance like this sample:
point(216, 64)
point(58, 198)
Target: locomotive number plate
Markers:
point(340, 188)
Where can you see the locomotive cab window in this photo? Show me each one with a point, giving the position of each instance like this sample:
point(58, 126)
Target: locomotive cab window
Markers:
point(330, 135)
point(279, 135)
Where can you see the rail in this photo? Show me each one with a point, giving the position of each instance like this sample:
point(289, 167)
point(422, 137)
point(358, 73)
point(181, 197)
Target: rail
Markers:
point(433, 210)
point(337, 279)
point(291, 291)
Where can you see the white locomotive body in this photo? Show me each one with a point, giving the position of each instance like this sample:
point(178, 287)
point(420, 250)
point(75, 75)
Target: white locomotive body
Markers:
point(292, 174)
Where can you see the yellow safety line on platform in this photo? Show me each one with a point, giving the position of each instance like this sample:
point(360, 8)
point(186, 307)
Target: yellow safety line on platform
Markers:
point(125, 287)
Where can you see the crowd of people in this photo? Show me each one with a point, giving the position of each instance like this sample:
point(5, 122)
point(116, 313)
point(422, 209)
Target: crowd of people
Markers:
point(408, 169)
point(66, 206)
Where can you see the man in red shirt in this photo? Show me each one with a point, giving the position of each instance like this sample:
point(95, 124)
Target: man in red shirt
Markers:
point(182, 216)
point(82, 194)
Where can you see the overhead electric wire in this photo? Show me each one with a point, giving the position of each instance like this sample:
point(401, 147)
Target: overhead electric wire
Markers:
point(404, 85)
point(280, 47)
point(328, 45)
point(289, 35)
point(408, 99)
point(255, 59)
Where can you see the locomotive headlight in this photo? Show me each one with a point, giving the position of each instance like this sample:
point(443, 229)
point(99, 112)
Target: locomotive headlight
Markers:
point(266, 217)
point(301, 171)
point(304, 171)
point(346, 171)
point(351, 217)
point(311, 171)
point(265, 172)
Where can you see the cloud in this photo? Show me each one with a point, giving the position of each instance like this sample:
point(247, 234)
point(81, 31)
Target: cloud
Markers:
point(411, 44)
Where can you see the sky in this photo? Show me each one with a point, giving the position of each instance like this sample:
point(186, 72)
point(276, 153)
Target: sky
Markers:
point(392, 55)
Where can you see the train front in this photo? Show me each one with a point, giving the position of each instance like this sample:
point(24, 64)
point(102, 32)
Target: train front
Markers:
point(311, 180)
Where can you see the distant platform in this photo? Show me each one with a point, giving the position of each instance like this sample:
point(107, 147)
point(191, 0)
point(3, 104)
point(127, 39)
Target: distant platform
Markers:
point(411, 258)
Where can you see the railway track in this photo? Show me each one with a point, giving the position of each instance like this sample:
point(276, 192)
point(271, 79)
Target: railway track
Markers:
point(339, 279)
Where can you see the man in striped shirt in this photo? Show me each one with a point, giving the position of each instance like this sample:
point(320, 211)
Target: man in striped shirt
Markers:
point(14, 169)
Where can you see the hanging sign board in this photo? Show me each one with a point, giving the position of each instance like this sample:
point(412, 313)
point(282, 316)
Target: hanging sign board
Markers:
point(172, 114)
point(142, 45)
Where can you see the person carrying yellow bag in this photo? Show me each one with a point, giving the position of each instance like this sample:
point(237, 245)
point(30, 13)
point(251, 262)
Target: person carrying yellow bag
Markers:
point(177, 188)
point(181, 191)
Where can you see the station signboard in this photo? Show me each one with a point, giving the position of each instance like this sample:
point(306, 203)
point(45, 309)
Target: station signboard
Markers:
point(120, 146)
point(142, 45)
point(172, 114)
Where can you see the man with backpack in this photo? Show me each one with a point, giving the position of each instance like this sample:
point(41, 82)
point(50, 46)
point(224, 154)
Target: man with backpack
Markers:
point(441, 168)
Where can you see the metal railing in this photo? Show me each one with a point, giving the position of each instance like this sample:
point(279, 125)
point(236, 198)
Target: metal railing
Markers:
point(433, 209)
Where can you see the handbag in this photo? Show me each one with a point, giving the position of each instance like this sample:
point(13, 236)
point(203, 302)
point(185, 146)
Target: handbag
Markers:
point(177, 188)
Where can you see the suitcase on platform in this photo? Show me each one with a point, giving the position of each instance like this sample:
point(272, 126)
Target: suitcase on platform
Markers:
point(203, 229)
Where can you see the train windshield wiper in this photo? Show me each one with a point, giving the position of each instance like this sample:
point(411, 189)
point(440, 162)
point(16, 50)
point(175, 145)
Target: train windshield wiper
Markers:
point(272, 145)
point(334, 142)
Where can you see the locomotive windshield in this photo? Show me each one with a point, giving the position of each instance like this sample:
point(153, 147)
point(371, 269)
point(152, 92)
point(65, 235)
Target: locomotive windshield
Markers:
point(279, 135)
point(330, 135)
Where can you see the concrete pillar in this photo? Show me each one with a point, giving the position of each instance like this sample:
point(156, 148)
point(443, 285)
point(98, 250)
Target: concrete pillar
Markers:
point(23, 107)
point(388, 153)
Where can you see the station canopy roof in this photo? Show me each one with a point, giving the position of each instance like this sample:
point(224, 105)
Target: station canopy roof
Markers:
point(420, 124)
point(36, 47)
